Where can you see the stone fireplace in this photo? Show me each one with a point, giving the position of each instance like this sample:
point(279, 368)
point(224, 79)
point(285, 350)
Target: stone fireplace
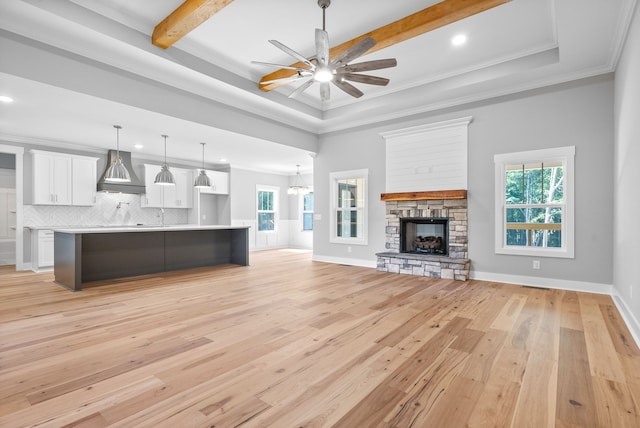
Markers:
point(426, 234)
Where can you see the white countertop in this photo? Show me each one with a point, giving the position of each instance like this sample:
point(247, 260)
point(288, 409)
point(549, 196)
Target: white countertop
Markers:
point(142, 228)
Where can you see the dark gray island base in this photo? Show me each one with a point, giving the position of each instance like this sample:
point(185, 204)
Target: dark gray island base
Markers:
point(93, 254)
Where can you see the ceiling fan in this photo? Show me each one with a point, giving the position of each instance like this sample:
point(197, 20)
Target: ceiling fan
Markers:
point(320, 68)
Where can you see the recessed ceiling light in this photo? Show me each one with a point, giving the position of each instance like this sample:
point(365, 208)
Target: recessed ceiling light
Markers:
point(223, 159)
point(458, 40)
point(6, 99)
point(138, 146)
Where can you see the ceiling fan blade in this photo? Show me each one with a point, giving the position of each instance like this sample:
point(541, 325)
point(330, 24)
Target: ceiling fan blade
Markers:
point(291, 52)
point(286, 80)
point(322, 47)
point(325, 91)
point(364, 78)
point(377, 64)
point(354, 51)
point(270, 64)
point(348, 88)
point(300, 89)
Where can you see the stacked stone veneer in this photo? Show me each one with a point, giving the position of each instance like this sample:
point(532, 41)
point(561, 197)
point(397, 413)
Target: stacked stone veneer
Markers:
point(454, 266)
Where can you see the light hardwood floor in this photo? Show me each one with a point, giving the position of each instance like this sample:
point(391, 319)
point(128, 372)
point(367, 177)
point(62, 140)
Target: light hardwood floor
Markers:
point(287, 342)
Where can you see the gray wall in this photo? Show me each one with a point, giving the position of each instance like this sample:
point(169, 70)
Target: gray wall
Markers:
point(578, 113)
point(243, 188)
point(626, 277)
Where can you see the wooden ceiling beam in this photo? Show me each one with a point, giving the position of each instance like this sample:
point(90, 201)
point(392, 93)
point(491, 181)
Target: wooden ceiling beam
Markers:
point(185, 18)
point(436, 16)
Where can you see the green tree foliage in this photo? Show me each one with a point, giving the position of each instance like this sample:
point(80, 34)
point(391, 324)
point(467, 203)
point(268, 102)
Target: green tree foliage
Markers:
point(534, 195)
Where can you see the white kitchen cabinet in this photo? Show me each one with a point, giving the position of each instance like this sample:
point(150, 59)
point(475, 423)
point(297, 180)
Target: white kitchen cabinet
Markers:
point(152, 197)
point(84, 179)
point(219, 182)
point(157, 196)
point(52, 178)
point(61, 179)
point(180, 195)
point(41, 249)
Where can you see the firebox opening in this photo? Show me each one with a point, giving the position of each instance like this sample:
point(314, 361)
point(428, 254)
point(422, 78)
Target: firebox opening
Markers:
point(424, 235)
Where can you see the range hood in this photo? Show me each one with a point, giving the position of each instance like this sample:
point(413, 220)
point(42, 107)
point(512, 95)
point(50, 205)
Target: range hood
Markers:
point(135, 186)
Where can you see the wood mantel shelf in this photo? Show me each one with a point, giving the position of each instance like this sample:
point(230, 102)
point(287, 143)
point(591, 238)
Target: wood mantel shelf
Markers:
point(424, 196)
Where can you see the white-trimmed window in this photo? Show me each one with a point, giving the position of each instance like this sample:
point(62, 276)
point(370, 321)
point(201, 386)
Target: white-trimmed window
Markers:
point(307, 211)
point(349, 207)
point(267, 208)
point(534, 202)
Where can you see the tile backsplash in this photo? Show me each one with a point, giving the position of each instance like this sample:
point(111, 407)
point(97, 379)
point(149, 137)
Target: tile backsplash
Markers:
point(104, 212)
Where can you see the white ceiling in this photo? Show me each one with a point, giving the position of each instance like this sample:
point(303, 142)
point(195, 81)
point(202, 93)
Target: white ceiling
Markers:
point(521, 45)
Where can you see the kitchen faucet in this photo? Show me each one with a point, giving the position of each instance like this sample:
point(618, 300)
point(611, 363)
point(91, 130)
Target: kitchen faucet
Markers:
point(161, 215)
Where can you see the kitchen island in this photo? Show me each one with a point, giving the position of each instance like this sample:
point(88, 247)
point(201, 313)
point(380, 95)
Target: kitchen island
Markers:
point(83, 255)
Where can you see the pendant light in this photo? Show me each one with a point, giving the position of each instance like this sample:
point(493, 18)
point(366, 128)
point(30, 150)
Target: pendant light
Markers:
point(117, 172)
point(203, 179)
point(298, 187)
point(164, 177)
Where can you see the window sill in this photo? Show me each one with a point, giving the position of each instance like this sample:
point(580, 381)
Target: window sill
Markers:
point(349, 241)
point(536, 252)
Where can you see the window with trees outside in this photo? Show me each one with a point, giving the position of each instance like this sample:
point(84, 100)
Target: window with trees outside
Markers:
point(267, 208)
point(534, 202)
point(349, 207)
point(307, 211)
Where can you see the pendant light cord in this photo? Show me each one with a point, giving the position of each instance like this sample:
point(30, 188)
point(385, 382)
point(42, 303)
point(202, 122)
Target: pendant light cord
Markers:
point(165, 148)
point(324, 9)
point(118, 128)
point(324, 4)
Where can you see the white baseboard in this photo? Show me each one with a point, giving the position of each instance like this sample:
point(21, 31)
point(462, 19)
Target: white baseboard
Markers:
point(535, 281)
point(629, 319)
point(345, 261)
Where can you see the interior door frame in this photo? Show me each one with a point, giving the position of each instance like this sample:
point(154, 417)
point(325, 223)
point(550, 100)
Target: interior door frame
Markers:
point(19, 154)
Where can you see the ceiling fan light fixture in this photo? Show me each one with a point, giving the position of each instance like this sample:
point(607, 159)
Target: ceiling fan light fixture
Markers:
point(324, 70)
point(323, 74)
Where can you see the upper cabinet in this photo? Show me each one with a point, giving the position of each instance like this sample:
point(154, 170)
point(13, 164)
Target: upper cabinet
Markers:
point(219, 182)
point(84, 181)
point(178, 196)
point(61, 179)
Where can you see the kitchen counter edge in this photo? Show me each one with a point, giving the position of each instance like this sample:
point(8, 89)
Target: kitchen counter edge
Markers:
point(170, 228)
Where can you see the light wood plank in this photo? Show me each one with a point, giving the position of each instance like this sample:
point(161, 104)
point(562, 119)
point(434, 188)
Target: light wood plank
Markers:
point(576, 405)
point(498, 401)
point(510, 313)
point(536, 406)
point(603, 359)
point(331, 345)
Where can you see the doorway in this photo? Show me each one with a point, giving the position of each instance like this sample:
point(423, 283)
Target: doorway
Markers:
point(11, 202)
